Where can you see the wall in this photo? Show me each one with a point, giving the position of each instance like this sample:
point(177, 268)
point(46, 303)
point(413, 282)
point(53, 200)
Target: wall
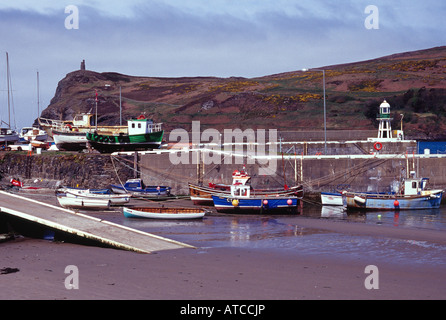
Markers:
point(319, 174)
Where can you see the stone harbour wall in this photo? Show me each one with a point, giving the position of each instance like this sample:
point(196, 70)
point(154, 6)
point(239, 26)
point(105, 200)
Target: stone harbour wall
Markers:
point(158, 168)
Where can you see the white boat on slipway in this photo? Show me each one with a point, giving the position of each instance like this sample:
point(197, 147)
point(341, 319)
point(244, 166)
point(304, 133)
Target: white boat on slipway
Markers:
point(82, 202)
point(104, 194)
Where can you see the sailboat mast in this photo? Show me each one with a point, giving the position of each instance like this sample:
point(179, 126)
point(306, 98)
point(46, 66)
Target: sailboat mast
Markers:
point(38, 97)
point(7, 81)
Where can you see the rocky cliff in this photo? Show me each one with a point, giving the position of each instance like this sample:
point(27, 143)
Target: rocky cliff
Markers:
point(414, 84)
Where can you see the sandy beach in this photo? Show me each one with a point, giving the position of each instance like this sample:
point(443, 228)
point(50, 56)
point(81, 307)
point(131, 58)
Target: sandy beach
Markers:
point(221, 273)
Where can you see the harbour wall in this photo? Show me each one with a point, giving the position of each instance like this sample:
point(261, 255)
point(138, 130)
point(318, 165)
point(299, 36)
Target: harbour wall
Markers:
point(363, 172)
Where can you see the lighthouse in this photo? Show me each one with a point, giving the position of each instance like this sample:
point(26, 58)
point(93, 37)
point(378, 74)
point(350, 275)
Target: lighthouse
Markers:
point(385, 129)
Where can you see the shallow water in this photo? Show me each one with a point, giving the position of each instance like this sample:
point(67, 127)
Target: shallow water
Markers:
point(284, 233)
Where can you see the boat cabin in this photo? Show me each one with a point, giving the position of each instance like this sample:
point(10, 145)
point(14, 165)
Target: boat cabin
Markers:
point(84, 120)
point(241, 191)
point(414, 185)
point(240, 177)
point(141, 125)
point(134, 184)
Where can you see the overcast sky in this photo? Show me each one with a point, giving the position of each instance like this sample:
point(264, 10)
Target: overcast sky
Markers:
point(172, 38)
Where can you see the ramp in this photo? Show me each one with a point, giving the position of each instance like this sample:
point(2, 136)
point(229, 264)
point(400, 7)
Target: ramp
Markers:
point(84, 226)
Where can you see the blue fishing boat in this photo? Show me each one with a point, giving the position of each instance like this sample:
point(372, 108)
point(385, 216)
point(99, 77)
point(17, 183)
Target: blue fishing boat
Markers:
point(241, 201)
point(412, 196)
point(137, 188)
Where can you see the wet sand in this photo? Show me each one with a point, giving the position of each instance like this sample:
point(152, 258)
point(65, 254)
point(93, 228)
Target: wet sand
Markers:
point(217, 273)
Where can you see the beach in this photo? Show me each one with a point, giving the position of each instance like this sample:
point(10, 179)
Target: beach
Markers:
point(36, 269)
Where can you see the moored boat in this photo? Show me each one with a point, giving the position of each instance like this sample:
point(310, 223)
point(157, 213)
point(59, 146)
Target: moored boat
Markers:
point(202, 195)
point(414, 195)
point(241, 201)
point(163, 213)
point(137, 188)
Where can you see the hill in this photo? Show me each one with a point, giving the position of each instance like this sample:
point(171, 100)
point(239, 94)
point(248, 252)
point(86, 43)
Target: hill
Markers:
point(414, 84)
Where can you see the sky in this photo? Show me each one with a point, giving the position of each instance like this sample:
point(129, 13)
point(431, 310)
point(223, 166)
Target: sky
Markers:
point(176, 38)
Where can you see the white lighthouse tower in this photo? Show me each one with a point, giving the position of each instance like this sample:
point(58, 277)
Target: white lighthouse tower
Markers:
point(385, 129)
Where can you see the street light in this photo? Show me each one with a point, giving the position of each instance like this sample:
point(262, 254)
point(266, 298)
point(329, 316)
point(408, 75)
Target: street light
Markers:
point(325, 107)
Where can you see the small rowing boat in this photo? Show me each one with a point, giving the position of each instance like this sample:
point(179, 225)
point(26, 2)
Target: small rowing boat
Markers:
point(164, 213)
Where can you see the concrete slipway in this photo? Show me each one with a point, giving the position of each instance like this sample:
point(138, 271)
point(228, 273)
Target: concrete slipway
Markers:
point(84, 226)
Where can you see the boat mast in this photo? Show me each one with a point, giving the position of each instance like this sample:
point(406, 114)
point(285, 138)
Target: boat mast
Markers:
point(38, 98)
point(7, 81)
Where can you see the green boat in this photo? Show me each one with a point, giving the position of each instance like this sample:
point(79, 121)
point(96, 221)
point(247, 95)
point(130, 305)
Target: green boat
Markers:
point(143, 134)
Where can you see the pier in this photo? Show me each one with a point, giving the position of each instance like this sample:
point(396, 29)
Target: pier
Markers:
point(82, 226)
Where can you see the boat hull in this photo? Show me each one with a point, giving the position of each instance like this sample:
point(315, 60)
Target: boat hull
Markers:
point(70, 141)
point(151, 192)
point(164, 213)
point(331, 199)
point(201, 195)
point(115, 199)
point(358, 201)
point(83, 203)
point(259, 205)
point(114, 143)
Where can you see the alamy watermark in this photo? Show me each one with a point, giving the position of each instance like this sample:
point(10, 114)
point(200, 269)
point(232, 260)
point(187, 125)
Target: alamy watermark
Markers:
point(72, 280)
point(72, 20)
point(372, 20)
point(372, 280)
point(246, 147)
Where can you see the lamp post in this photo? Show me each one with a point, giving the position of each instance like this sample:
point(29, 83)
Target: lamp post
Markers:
point(325, 106)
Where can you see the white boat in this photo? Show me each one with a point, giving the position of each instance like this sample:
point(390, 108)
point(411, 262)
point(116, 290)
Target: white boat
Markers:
point(33, 134)
point(82, 202)
point(69, 141)
point(331, 198)
point(163, 213)
point(105, 194)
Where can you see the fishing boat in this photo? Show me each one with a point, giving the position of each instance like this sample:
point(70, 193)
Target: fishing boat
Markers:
point(163, 213)
point(137, 188)
point(105, 194)
point(414, 195)
point(241, 201)
point(82, 202)
point(143, 134)
point(70, 135)
point(202, 195)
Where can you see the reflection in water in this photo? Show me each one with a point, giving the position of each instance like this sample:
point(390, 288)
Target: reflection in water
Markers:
point(284, 233)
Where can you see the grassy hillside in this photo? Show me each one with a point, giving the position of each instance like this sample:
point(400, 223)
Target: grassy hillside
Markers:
point(414, 84)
